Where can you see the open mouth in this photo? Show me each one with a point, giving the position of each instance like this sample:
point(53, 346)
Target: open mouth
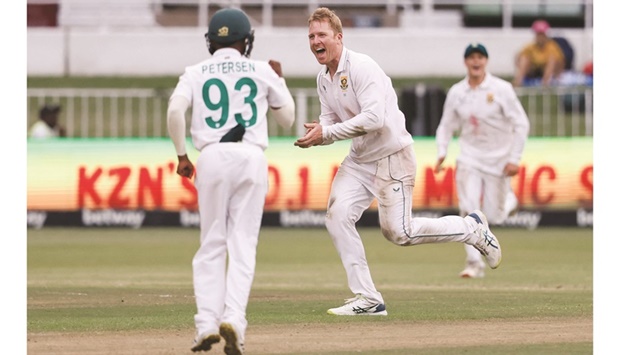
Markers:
point(320, 50)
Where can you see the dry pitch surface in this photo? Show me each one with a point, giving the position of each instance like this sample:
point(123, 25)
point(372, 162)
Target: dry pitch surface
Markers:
point(327, 338)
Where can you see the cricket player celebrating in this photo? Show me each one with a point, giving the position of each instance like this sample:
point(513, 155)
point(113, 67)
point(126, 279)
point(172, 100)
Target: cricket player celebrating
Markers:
point(492, 126)
point(229, 95)
point(359, 103)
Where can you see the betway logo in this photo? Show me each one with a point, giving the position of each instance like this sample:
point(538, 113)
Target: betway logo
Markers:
point(36, 219)
point(585, 218)
point(303, 218)
point(189, 218)
point(529, 220)
point(102, 218)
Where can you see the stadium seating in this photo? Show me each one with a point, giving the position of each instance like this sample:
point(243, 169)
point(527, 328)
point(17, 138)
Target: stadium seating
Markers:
point(294, 13)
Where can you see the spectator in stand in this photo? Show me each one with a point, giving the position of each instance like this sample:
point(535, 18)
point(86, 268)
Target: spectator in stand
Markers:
point(47, 126)
point(541, 61)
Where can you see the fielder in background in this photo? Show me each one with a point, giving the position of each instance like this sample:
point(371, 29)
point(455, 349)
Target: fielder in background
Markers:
point(359, 103)
point(492, 127)
point(47, 126)
point(229, 95)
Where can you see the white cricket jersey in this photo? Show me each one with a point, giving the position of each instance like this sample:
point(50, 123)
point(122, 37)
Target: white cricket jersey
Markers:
point(490, 122)
point(228, 89)
point(41, 130)
point(359, 103)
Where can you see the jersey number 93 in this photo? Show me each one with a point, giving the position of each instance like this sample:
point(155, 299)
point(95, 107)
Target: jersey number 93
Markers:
point(224, 103)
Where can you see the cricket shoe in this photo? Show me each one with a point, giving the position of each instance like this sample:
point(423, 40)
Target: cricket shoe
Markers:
point(204, 341)
point(486, 243)
point(359, 306)
point(473, 270)
point(233, 344)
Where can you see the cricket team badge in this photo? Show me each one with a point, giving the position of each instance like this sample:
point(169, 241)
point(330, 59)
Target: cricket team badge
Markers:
point(222, 32)
point(490, 98)
point(344, 83)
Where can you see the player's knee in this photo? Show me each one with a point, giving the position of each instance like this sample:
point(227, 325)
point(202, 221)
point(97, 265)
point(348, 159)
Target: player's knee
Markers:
point(397, 235)
point(337, 215)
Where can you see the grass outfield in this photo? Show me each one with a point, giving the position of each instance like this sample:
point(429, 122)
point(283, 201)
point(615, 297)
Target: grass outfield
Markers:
point(124, 284)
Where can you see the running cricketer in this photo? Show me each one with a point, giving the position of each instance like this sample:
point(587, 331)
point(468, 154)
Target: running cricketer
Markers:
point(358, 102)
point(492, 127)
point(229, 95)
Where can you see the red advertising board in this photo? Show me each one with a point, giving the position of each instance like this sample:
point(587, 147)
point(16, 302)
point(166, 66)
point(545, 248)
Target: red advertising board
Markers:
point(126, 174)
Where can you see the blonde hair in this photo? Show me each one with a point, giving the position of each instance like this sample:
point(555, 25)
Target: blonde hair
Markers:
point(325, 14)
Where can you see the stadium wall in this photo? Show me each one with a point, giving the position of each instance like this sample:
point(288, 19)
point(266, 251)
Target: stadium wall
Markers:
point(164, 52)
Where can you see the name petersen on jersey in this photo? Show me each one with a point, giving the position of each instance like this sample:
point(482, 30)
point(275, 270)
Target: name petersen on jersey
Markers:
point(228, 67)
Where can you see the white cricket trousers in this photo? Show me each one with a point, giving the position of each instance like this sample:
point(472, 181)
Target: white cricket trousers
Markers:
point(390, 180)
point(232, 182)
point(483, 191)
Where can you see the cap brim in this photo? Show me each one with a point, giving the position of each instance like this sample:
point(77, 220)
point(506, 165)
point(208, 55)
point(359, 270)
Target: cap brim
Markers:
point(472, 51)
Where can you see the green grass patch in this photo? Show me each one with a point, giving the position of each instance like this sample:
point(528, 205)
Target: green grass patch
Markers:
point(123, 279)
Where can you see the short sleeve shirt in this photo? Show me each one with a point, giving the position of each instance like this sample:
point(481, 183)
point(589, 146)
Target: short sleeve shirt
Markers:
point(539, 56)
point(229, 89)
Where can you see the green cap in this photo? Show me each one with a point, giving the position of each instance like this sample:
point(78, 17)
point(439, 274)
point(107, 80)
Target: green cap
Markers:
point(476, 47)
point(228, 26)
